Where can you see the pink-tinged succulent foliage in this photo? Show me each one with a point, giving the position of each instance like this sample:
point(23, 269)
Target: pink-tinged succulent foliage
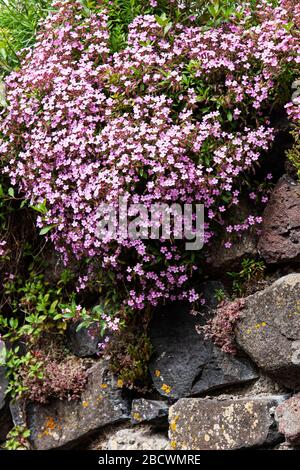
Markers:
point(179, 115)
point(64, 379)
point(220, 329)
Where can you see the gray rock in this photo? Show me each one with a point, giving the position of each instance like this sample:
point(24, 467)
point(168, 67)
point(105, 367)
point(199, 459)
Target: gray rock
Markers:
point(55, 267)
point(288, 416)
point(3, 379)
point(269, 330)
point(223, 424)
point(5, 418)
point(208, 290)
point(64, 423)
point(18, 412)
point(284, 446)
point(137, 438)
point(5, 422)
point(84, 343)
point(153, 411)
point(184, 363)
point(280, 238)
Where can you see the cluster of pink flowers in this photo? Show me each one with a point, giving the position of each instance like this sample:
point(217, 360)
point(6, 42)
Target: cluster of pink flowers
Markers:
point(149, 123)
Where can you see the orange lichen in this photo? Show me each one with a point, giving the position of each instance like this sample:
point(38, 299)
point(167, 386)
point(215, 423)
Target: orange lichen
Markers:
point(50, 424)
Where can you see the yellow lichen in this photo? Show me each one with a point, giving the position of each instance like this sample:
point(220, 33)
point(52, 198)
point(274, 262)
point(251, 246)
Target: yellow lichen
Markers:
point(136, 416)
point(249, 407)
point(166, 388)
point(173, 425)
point(120, 383)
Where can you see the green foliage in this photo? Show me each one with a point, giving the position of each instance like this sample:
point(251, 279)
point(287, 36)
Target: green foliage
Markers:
point(131, 351)
point(17, 439)
point(15, 362)
point(9, 203)
point(132, 362)
point(35, 308)
point(19, 21)
point(252, 271)
point(122, 13)
point(220, 295)
point(35, 312)
point(30, 309)
point(294, 153)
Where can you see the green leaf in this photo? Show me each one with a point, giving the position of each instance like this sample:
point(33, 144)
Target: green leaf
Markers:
point(53, 306)
point(47, 229)
point(229, 116)
point(11, 192)
point(41, 208)
point(167, 28)
point(82, 325)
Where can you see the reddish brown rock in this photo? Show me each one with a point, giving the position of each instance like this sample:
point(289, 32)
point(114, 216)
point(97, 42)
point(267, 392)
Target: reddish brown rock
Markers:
point(222, 258)
point(288, 417)
point(280, 238)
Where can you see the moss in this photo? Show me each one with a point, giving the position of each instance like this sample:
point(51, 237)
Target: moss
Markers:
point(131, 350)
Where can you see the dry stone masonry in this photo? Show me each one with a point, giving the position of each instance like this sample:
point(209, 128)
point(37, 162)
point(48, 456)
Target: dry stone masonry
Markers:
point(202, 398)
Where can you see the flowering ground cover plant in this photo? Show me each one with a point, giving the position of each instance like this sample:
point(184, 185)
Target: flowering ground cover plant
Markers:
point(180, 114)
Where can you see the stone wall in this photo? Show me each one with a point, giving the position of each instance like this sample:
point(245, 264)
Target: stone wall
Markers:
point(202, 397)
